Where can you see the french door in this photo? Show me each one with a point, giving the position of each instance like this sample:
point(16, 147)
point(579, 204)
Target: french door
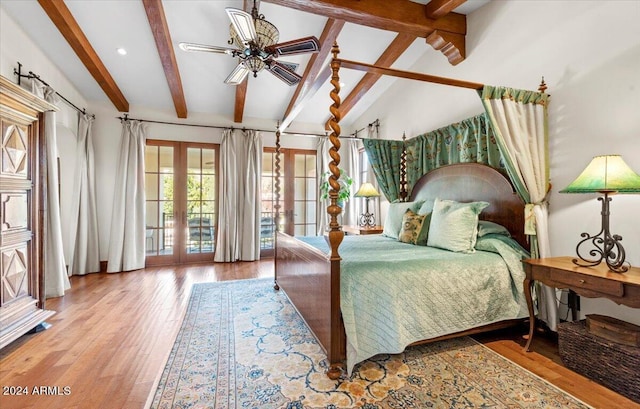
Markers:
point(181, 201)
point(298, 195)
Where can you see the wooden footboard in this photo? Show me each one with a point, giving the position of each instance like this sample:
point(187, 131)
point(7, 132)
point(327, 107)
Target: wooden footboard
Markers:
point(305, 275)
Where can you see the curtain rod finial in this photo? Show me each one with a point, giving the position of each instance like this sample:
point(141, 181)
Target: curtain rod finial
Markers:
point(543, 86)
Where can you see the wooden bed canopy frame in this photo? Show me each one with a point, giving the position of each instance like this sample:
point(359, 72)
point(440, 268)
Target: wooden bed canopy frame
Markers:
point(316, 294)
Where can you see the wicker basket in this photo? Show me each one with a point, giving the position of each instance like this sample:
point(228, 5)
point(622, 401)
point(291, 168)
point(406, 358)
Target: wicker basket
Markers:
point(611, 364)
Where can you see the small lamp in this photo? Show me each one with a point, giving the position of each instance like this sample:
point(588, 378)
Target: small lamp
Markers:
point(607, 175)
point(367, 191)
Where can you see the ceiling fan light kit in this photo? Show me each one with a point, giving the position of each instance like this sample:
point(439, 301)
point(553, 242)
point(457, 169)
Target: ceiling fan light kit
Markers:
point(257, 45)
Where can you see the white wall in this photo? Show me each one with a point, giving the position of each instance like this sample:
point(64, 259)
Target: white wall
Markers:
point(18, 47)
point(589, 54)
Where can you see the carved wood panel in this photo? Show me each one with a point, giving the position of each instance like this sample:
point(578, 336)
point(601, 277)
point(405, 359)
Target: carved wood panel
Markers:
point(21, 275)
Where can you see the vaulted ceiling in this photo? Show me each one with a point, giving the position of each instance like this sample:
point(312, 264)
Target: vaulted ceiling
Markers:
point(82, 38)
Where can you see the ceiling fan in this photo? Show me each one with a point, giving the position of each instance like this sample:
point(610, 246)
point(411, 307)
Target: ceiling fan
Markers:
point(257, 47)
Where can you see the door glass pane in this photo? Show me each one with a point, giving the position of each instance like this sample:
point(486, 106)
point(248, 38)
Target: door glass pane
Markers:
point(201, 195)
point(166, 159)
point(267, 206)
point(151, 159)
point(208, 161)
point(151, 186)
point(158, 186)
point(166, 186)
point(300, 166)
point(300, 189)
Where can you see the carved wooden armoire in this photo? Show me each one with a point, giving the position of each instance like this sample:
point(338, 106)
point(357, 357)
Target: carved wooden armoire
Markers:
point(22, 205)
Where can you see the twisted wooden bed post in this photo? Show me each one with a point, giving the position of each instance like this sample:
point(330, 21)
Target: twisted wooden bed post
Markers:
point(276, 207)
point(403, 170)
point(336, 235)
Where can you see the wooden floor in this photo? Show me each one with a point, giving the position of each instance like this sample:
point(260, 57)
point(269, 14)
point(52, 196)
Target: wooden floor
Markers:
point(112, 334)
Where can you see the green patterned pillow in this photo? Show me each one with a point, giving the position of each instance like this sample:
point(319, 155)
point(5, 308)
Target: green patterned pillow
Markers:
point(393, 220)
point(454, 225)
point(411, 227)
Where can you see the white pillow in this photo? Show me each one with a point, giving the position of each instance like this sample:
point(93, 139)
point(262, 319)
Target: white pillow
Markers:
point(454, 225)
point(393, 221)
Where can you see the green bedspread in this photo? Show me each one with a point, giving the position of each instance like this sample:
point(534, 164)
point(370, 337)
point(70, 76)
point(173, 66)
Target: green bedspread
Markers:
point(393, 294)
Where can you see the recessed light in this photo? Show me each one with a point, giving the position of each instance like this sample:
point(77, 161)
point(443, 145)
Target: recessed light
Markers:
point(121, 51)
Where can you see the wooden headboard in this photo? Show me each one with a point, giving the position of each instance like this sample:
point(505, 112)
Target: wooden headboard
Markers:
point(469, 182)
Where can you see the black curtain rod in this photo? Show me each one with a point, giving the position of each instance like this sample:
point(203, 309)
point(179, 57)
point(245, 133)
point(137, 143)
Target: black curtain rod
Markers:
point(126, 117)
point(375, 123)
point(34, 76)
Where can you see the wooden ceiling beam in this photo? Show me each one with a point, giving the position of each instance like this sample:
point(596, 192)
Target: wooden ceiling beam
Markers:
point(71, 31)
point(160, 30)
point(445, 34)
point(241, 95)
point(436, 9)
point(402, 16)
point(329, 34)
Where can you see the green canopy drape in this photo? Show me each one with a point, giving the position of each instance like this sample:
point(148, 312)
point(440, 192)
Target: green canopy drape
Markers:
point(384, 157)
point(470, 140)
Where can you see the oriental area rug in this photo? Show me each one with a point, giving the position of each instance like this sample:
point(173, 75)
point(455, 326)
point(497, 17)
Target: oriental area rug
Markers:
point(242, 345)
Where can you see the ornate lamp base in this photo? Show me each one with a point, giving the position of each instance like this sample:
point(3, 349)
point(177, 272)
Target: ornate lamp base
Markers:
point(605, 246)
point(367, 220)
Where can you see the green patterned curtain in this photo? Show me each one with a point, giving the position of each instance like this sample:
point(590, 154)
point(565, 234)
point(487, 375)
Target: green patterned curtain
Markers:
point(384, 157)
point(470, 140)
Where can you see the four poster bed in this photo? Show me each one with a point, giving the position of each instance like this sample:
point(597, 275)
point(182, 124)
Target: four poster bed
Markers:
point(379, 295)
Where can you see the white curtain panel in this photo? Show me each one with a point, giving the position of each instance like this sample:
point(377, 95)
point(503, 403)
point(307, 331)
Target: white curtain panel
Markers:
point(349, 161)
point(127, 238)
point(238, 233)
point(322, 166)
point(522, 129)
point(55, 269)
point(85, 253)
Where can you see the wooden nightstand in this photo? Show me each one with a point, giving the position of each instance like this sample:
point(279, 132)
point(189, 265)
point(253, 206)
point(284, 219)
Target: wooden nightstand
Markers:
point(591, 282)
point(362, 230)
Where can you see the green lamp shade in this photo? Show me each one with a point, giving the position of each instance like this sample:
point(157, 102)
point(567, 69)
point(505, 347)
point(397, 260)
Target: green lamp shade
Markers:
point(367, 190)
point(607, 173)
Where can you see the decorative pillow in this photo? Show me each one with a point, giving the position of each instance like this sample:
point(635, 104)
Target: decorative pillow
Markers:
point(393, 221)
point(424, 232)
point(411, 227)
point(486, 227)
point(426, 208)
point(454, 225)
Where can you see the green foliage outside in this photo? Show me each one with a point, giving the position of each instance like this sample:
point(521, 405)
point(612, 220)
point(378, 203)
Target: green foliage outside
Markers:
point(196, 191)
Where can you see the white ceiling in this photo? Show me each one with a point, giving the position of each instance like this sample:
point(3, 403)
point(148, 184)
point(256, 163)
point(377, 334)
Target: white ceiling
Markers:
point(111, 24)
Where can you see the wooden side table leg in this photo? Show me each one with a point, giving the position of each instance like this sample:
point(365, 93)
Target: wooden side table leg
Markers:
point(528, 283)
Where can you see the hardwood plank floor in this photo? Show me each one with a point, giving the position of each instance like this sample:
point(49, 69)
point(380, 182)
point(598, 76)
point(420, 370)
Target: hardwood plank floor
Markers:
point(112, 333)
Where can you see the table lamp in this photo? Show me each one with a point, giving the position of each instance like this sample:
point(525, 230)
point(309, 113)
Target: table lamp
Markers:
point(607, 175)
point(367, 191)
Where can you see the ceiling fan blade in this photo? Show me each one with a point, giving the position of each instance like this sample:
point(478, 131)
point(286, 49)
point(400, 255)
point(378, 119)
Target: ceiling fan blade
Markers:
point(291, 66)
point(283, 72)
point(237, 75)
point(243, 24)
point(299, 46)
point(207, 48)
